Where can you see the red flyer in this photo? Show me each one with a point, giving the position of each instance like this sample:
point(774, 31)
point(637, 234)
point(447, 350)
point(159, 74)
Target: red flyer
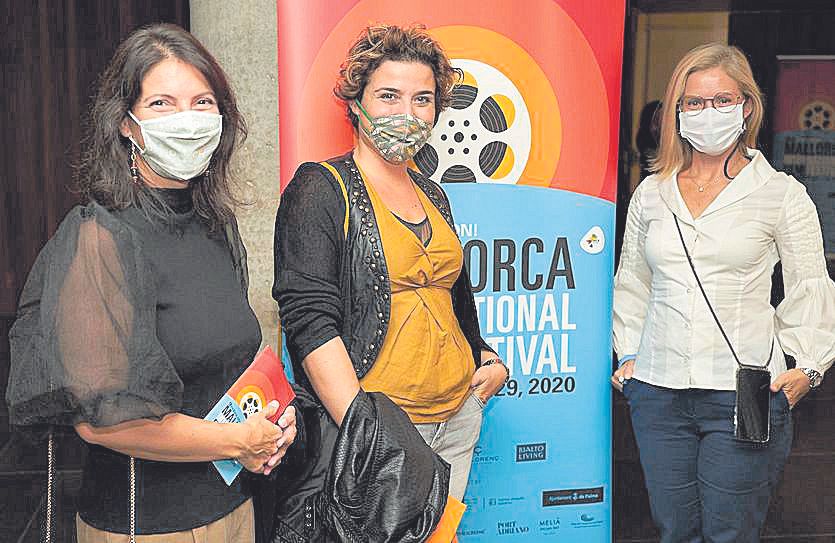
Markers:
point(262, 382)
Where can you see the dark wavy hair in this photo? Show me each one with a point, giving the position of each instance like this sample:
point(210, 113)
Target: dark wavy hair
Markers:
point(103, 173)
point(379, 43)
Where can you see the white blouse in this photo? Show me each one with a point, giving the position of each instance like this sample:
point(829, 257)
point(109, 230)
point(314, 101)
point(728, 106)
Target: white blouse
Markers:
point(761, 217)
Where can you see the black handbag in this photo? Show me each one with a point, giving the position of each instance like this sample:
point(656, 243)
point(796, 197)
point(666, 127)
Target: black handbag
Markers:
point(752, 410)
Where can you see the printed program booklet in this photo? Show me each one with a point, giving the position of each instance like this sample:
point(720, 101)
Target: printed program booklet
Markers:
point(262, 382)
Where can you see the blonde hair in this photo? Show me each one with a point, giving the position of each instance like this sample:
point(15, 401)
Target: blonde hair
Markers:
point(674, 153)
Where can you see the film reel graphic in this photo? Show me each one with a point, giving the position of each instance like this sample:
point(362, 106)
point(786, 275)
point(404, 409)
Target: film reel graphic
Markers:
point(251, 399)
point(817, 115)
point(485, 135)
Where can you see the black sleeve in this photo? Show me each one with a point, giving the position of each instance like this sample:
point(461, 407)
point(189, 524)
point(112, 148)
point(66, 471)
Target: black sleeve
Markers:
point(84, 347)
point(309, 238)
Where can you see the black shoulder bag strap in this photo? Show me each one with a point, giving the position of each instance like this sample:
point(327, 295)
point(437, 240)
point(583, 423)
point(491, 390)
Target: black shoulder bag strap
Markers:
point(710, 306)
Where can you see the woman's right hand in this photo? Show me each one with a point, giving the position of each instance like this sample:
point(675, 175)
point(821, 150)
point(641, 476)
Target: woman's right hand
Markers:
point(623, 374)
point(260, 439)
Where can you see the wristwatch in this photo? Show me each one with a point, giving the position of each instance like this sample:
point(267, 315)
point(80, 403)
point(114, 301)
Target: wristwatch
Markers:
point(815, 378)
point(492, 361)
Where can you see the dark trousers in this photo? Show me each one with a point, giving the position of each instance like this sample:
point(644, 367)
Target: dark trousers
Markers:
point(705, 486)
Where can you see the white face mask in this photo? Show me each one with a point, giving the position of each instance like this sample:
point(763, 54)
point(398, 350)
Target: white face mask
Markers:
point(180, 145)
point(712, 132)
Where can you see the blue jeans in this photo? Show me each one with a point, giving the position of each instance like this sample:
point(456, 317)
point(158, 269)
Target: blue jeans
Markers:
point(704, 486)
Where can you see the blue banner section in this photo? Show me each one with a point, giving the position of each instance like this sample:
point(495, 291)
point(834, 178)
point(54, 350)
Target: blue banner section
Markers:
point(541, 264)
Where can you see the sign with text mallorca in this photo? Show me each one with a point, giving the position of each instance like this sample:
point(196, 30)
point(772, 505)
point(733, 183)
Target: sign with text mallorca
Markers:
point(528, 156)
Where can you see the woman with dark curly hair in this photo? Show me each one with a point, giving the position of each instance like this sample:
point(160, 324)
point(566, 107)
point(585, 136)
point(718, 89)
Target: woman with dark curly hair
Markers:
point(134, 320)
point(373, 296)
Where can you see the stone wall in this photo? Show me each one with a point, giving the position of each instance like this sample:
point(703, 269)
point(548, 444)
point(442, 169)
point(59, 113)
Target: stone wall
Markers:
point(242, 36)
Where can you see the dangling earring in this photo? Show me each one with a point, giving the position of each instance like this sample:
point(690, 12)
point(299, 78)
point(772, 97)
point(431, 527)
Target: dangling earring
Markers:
point(209, 171)
point(134, 171)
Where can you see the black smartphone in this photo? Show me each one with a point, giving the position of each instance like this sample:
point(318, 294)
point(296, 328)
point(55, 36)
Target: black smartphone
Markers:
point(753, 405)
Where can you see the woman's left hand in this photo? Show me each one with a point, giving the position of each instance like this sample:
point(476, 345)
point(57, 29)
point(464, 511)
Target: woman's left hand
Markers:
point(487, 380)
point(794, 385)
point(287, 423)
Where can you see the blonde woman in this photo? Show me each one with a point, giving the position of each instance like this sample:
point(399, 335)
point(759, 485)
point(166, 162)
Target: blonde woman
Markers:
point(692, 304)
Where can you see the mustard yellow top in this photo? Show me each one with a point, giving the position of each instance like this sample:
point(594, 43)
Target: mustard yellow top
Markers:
point(425, 364)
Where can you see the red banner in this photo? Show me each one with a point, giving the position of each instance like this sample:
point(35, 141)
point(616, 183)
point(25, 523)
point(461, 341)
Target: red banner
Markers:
point(554, 63)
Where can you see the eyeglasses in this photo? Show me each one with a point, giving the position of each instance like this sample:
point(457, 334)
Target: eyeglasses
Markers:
point(723, 102)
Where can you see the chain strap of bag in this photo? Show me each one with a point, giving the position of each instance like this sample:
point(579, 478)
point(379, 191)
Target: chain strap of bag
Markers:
point(132, 500)
point(50, 484)
point(50, 498)
point(710, 306)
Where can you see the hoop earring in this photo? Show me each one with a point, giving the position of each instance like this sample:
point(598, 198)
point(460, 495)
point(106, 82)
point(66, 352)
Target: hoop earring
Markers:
point(134, 171)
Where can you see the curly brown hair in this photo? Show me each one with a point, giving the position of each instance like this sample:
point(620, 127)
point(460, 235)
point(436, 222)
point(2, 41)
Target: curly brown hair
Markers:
point(382, 42)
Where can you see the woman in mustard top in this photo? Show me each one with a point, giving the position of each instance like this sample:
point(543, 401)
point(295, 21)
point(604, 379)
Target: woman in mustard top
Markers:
point(370, 281)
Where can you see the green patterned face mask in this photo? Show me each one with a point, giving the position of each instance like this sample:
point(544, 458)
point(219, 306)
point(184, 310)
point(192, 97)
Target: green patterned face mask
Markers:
point(396, 137)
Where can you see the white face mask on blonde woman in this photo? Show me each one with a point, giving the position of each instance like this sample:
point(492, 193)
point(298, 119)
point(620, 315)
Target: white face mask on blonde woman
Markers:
point(711, 130)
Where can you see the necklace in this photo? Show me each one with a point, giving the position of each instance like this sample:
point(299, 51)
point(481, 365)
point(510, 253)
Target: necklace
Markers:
point(701, 188)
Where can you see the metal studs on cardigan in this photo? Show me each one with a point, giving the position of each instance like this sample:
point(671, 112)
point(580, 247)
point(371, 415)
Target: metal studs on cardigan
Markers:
point(429, 188)
point(366, 227)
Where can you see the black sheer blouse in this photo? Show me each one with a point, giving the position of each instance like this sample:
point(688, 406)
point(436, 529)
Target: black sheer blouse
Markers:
point(125, 318)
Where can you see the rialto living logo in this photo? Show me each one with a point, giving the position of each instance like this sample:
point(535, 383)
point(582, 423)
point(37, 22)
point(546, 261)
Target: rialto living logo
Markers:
point(531, 452)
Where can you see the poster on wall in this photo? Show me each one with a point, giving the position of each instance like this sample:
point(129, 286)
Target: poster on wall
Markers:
point(804, 132)
point(528, 156)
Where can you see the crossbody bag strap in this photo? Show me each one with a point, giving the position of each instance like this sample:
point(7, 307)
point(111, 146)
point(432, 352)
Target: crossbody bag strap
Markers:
point(50, 485)
point(132, 500)
point(50, 493)
point(709, 305)
point(336, 175)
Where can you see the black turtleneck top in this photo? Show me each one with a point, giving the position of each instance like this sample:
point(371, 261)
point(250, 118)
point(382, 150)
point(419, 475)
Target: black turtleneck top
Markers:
point(209, 332)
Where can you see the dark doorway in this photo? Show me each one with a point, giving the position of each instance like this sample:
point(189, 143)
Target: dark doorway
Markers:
point(52, 52)
point(801, 510)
